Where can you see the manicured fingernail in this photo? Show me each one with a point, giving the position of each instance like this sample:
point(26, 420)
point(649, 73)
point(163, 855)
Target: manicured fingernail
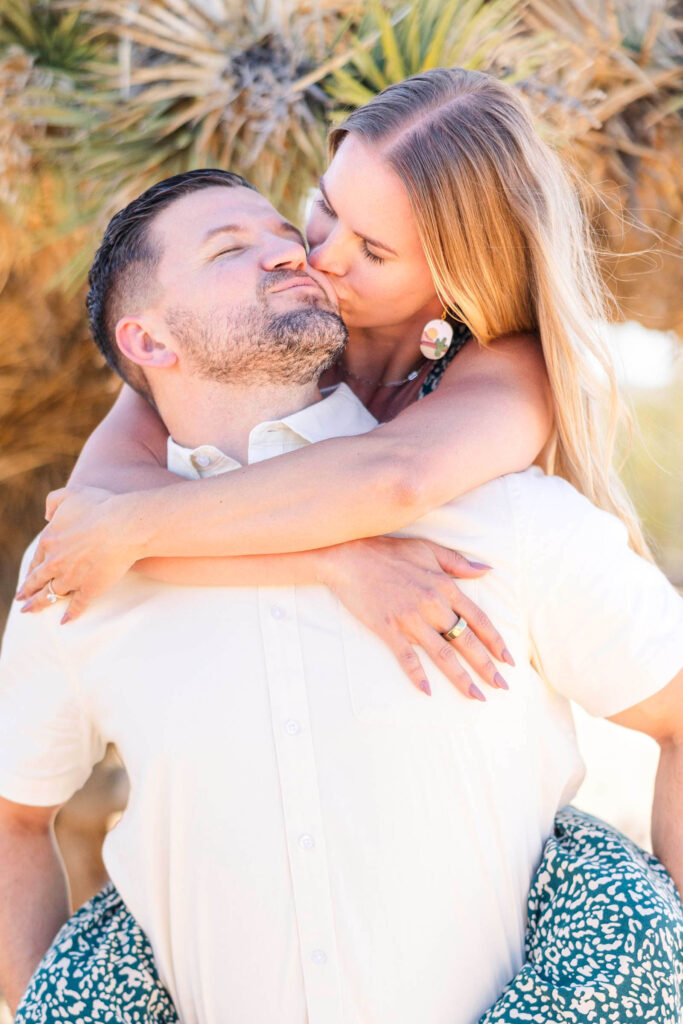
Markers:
point(476, 692)
point(500, 682)
point(20, 595)
point(65, 618)
point(425, 687)
point(27, 607)
point(506, 656)
point(480, 565)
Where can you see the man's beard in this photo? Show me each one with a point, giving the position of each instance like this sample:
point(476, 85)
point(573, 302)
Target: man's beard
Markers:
point(253, 345)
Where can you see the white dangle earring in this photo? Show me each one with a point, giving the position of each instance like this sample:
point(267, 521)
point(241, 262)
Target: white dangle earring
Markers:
point(436, 339)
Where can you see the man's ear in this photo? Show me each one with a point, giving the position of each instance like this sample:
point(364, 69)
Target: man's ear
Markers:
point(137, 343)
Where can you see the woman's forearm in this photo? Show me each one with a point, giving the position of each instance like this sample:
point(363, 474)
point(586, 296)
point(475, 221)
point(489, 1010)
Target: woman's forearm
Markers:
point(299, 568)
point(344, 488)
point(127, 451)
point(491, 415)
point(296, 502)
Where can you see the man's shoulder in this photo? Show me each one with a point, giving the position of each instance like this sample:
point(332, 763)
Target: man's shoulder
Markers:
point(531, 491)
point(555, 518)
point(533, 486)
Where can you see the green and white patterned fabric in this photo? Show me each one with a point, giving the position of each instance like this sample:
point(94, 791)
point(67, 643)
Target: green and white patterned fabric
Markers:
point(604, 945)
point(99, 968)
point(604, 942)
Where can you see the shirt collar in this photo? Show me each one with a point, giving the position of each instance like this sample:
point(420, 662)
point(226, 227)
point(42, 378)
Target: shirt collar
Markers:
point(339, 414)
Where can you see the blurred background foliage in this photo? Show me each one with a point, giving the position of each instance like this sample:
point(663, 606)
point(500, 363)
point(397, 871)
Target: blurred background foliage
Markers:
point(99, 98)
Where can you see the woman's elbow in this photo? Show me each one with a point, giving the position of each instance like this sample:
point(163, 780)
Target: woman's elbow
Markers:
point(403, 485)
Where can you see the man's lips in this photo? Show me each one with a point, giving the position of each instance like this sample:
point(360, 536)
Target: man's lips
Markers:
point(296, 282)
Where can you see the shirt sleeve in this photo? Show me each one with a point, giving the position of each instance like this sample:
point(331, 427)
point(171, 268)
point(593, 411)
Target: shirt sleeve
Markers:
point(606, 625)
point(48, 745)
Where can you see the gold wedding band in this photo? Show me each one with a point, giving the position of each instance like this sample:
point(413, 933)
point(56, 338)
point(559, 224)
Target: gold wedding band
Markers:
point(52, 596)
point(455, 631)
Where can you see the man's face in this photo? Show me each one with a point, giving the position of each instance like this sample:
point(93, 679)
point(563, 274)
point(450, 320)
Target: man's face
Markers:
point(236, 294)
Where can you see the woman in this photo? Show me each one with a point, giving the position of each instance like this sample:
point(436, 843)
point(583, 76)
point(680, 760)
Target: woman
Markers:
point(500, 191)
point(439, 199)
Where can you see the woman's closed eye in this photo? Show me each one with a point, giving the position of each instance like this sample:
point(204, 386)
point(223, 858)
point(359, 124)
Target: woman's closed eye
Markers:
point(324, 208)
point(373, 257)
point(322, 205)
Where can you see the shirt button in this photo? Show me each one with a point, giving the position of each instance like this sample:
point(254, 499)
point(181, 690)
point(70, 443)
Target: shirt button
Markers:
point(306, 842)
point(278, 612)
point(202, 460)
point(319, 956)
point(292, 727)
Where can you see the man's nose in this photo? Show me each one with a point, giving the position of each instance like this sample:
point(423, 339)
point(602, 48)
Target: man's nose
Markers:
point(285, 254)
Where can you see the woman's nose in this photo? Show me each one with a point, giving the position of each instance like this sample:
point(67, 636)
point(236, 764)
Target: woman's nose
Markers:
point(328, 258)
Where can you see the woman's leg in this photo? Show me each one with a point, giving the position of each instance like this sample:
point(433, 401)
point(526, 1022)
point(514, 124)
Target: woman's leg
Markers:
point(604, 941)
point(100, 967)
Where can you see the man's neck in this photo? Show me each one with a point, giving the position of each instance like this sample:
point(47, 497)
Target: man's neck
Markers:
point(224, 415)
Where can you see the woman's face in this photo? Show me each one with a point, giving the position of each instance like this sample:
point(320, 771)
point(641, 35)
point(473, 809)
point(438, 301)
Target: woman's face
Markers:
point(363, 236)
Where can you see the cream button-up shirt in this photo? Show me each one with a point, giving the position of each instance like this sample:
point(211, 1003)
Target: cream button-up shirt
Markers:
point(309, 839)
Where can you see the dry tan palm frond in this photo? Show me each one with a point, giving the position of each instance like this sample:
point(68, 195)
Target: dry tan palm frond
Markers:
point(612, 100)
point(15, 151)
point(53, 385)
point(225, 85)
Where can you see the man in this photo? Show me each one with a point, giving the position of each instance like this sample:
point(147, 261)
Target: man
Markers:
point(308, 839)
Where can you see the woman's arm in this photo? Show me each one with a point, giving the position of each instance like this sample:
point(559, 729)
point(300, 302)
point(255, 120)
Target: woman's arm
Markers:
point(127, 451)
point(491, 415)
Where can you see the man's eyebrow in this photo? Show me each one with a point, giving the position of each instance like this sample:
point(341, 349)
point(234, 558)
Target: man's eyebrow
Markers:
point(372, 241)
point(232, 229)
point(240, 229)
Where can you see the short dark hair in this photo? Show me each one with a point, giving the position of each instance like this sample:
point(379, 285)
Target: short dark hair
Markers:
point(124, 265)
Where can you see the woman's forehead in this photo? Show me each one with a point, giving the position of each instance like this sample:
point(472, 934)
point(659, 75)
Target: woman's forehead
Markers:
point(367, 194)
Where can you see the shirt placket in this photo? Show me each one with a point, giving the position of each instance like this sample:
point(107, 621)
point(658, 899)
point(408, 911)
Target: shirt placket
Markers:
point(301, 805)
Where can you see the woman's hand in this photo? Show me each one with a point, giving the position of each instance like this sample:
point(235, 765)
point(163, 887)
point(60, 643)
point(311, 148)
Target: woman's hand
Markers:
point(404, 592)
point(401, 589)
point(84, 551)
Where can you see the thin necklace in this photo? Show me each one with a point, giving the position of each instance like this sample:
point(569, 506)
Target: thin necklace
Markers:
point(389, 383)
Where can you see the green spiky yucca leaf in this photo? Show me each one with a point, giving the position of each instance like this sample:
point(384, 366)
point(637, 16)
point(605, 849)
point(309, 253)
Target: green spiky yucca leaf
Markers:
point(56, 40)
point(180, 89)
point(485, 35)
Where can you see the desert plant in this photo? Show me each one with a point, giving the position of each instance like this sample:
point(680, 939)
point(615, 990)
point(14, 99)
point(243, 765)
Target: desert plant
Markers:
point(613, 104)
point(481, 35)
point(178, 87)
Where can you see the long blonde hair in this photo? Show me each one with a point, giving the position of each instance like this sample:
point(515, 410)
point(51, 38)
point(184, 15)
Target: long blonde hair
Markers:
point(510, 249)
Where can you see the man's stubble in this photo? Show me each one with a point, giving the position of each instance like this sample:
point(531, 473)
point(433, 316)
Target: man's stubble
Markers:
point(251, 344)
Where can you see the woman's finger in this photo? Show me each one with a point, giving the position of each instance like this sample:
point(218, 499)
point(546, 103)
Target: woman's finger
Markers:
point(78, 602)
point(409, 661)
point(36, 580)
point(39, 601)
point(477, 657)
point(480, 624)
point(444, 657)
point(455, 564)
point(38, 557)
point(45, 597)
point(53, 501)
